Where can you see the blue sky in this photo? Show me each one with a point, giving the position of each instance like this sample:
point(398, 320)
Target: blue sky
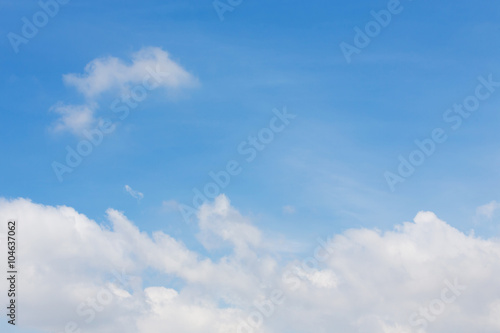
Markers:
point(353, 119)
point(327, 166)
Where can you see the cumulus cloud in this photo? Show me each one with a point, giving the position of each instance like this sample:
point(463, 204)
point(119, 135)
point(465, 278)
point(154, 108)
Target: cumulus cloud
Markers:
point(220, 223)
point(135, 194)
point(148, 69)
point(423, 276)
point(110, 73)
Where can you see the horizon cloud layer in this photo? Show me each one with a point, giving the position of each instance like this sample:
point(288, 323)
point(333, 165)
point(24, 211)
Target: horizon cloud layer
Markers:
point(423, 276)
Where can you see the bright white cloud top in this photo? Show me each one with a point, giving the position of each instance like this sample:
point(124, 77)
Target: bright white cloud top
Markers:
point(424, 276)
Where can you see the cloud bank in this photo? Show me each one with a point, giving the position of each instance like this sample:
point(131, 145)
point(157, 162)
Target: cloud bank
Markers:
point(423, 276)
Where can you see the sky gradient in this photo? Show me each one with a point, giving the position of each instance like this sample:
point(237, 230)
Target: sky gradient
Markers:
point(261, 96)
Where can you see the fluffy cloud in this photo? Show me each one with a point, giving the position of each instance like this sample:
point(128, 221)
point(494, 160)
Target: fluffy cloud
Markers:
point(149, 69)
point(221, 224)
point(423, 276)
point(110, 73)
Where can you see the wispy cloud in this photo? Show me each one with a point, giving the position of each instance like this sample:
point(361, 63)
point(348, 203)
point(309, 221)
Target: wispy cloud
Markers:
point(487, 211)
point(170, 205)
point(73, 118)
point(289, 209)
point(136, 194)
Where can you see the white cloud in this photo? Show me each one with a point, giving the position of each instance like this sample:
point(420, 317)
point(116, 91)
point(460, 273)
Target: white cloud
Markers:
point(73, 118)
point(135, 194)
point(371, 281)
point(222, 224)
point(110, 73)
point(487, 210)
point(149, 69)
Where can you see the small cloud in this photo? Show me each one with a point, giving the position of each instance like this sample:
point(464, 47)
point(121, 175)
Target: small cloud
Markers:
point(289, 210)
point(73, 118)
point(170, 205)
point(148, 69)
point(111, 73)
point(487, 210)
point(135, 194)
